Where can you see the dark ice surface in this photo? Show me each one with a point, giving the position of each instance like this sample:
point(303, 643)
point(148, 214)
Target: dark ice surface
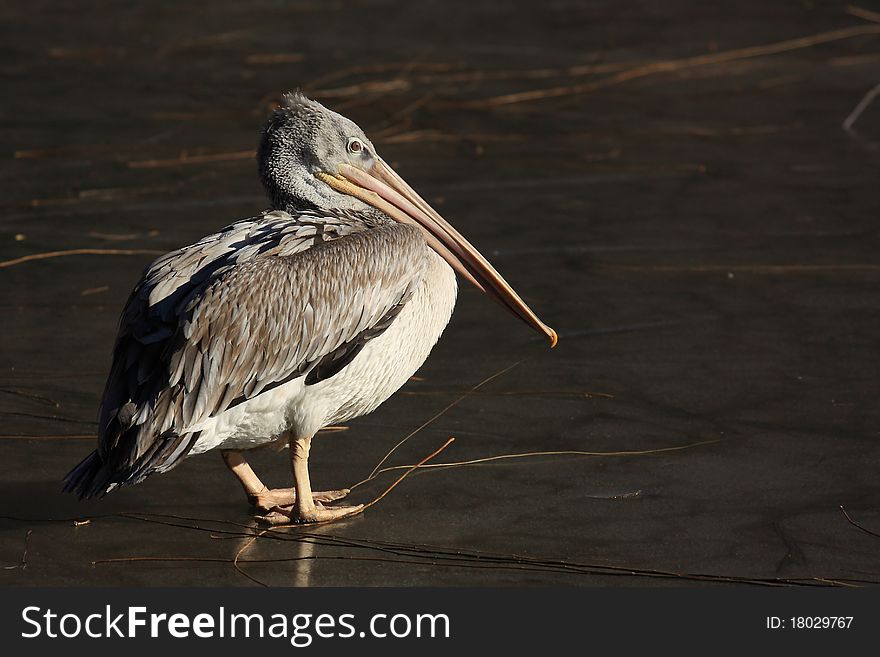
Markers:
point(703, 235)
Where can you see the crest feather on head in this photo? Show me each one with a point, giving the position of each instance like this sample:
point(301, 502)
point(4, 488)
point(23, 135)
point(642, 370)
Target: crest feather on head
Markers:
point(296, 102)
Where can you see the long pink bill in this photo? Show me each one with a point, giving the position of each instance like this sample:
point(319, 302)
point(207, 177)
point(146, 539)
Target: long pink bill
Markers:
point(382, 188)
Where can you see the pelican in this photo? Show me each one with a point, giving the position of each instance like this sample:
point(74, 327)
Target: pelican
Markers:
point(308, 315)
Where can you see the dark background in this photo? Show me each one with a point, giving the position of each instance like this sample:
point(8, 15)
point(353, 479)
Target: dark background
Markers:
point(701, 232)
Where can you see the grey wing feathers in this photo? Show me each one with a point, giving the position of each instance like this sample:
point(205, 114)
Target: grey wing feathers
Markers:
point(229, 317)
point(273, 318)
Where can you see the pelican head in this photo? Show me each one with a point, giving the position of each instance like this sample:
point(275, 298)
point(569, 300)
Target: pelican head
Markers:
point(313, 158)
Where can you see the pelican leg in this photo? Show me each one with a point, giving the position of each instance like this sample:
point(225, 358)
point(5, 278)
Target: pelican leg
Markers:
point(307, 507)
point(261, 496)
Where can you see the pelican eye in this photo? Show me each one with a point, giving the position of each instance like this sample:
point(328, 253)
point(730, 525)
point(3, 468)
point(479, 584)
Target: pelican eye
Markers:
point(355, 146)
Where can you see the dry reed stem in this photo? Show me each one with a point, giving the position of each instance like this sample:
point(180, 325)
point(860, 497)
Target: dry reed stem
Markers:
point(855, 60)
point(867, 14)
point(376, 500)
point(186, 159)
point(440, 414)
point(857, 525)
point(674, 65)
point(571, 452)
point(71, 252)
point(22, 563)
point(423, 554)
point(351, 71)
point(866, 100)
